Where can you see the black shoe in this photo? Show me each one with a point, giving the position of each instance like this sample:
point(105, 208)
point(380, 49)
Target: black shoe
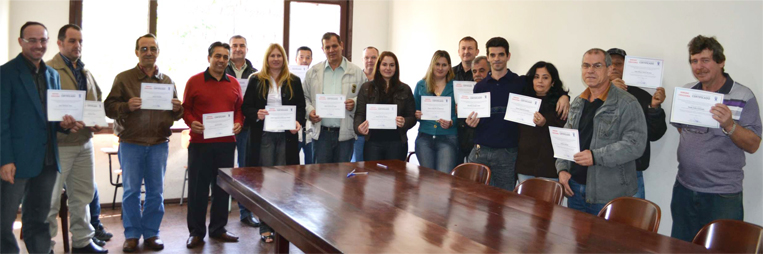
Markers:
point(98, 242)
point(90, 248)
point(102, 234)
point(251, 221)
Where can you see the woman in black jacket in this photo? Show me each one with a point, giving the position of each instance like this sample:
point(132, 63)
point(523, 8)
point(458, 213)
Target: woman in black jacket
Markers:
point(274, 86)
point(386, 88)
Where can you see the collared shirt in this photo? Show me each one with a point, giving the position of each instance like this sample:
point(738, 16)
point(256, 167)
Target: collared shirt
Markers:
point(79, 75)
point(332, 84)
point(38, 77)
point(156, 71)
point(495, 132)
point(708, 160)
point(238, 72)
point(461, 74)
point(208, 76)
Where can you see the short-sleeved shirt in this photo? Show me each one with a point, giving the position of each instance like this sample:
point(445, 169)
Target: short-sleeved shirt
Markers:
point(708, 161)
point(332, 84)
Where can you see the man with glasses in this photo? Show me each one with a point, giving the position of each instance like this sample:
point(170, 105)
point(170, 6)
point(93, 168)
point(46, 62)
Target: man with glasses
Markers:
point(210, 92)
point(612, 134)
point(29, 156)
point(650, 104)
point(240, 68)
point(333, 138)
point(143, 145)
point(75, 150)
point(708, 186)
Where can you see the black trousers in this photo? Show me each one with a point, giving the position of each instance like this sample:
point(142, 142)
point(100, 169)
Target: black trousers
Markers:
point(385, 150)
point(204, 159)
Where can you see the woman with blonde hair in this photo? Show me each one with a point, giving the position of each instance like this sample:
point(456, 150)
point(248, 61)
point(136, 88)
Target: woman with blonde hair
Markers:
point(437, 142)
point(273, 86)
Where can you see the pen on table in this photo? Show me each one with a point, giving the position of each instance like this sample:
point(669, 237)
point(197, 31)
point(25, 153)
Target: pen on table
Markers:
point(381, 165)
point(351, 173)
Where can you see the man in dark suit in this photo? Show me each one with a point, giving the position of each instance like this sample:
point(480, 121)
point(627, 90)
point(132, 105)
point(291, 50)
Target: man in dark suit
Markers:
point(29, 156)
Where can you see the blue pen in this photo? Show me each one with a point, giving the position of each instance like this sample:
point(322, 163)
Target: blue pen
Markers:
point(351, 173)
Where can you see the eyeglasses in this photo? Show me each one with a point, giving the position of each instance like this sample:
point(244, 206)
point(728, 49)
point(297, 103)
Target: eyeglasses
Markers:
point(153, 49)
point(35, 40)
point(596, 66)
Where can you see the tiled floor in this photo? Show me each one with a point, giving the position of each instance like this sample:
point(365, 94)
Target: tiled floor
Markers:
point(174, 233)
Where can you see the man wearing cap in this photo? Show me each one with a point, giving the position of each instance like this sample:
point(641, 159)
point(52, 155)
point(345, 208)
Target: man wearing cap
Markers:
point(708, 186)
point(650, 104)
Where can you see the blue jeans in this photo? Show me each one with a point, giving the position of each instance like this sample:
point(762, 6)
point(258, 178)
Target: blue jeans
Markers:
point(241, 139)
point(502, 162)
point(641, 193)
point(95, 210)
point(328, 148)
point(438, 152)
point(36, 193)
point(360, 143)
point(577, 201)
point(692, 210)
point(147, 164)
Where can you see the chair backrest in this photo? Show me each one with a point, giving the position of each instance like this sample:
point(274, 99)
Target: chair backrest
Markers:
point(541, 189)
point(408, 158)
point(731, 236)
point(473, 171)
point(636, 212)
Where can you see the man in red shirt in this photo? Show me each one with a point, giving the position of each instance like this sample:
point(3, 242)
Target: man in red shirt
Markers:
point(211, 91)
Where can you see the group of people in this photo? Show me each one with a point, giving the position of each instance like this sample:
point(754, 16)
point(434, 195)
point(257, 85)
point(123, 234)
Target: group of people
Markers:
point(616, 122)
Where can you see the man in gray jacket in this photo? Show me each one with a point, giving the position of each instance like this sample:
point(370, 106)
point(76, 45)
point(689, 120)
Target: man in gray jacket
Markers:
point(612, 131)
point(333, 138)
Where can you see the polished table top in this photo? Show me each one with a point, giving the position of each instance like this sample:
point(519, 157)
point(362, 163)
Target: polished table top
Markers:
point(407, 208)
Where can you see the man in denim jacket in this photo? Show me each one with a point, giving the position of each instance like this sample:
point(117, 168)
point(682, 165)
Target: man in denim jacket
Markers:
point(612, 132)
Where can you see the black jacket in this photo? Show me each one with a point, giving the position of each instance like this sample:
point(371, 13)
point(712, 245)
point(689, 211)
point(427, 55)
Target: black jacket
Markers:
point(254, 101)
point(249, 70)
point(403, 97)
point(655, 123)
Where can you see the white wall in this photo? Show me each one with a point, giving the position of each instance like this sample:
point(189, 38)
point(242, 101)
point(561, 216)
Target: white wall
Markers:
point(560, 32)
point(53, 14)
point(370, 27)
point(4, 18)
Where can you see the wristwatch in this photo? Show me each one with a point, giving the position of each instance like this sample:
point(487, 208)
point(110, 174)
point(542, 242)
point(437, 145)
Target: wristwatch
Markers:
point(733, 128)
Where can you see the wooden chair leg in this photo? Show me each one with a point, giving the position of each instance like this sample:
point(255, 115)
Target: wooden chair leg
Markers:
point(63, 212)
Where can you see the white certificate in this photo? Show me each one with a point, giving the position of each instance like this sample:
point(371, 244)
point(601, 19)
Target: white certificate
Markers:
point(156, 96)
point(692, 107)
point(244, 84)
point(281, 118)
point(381, 116)
point(521, 109)
point(299, 70)
point(478, 102)
point(566, 142)
point(462, 87)
point(94, 114)
point(643, 72)
point(435, 108)
point(218, 124)
point(330, 105)
point(65, 102)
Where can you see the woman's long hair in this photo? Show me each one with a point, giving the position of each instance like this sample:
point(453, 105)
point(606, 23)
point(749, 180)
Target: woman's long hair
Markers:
point(429, 78)
point(379, 82)
point(264, 75)
point(557, 87)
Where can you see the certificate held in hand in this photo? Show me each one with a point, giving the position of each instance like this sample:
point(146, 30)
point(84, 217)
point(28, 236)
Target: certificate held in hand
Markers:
point(478, 102)
point(692, 107)
point(244, 83)
point(218, 124)
point(281, 118)
point(643, 72)
point(65, 102)
point(566, 142)
point(435, 108)
point(381, 116)
point(94, 114)
point(462, 87)
point(156, 96)
point(521, 109)
point(330, 105)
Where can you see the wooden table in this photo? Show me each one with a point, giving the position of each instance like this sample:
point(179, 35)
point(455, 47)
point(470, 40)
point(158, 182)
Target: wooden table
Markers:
point(411, 209)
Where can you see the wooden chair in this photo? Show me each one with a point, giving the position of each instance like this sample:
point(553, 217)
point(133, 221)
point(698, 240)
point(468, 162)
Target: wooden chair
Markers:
point(731, 236)
point(410, 154)
point(472, 171)
point(185, 141)
point(542, 189)
point(636, 212)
